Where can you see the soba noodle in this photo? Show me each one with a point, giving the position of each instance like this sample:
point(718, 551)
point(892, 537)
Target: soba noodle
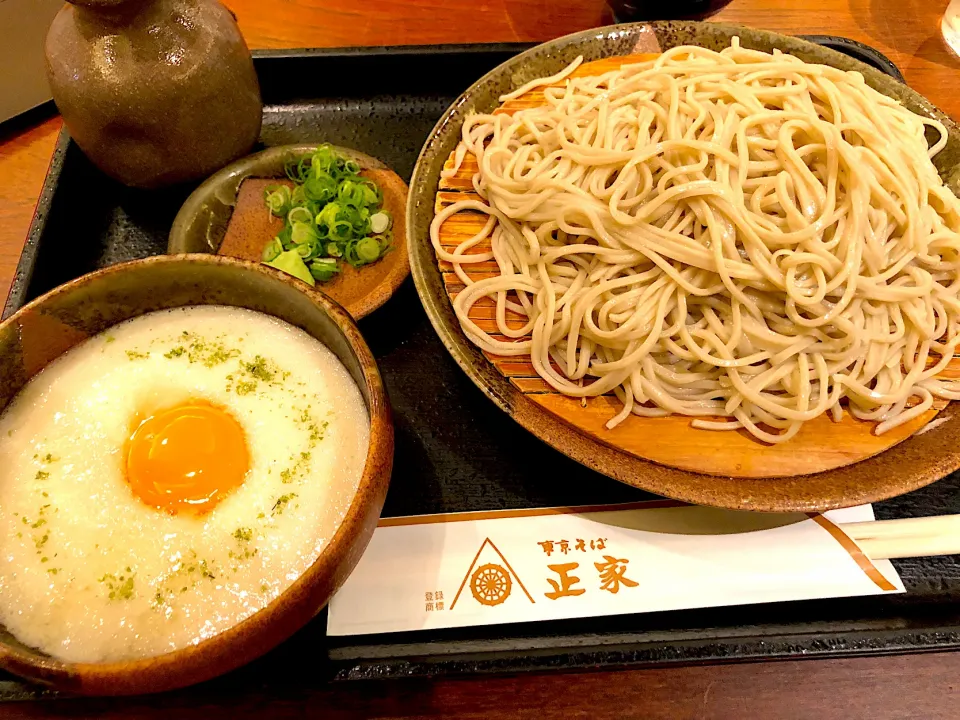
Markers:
point(732, 235)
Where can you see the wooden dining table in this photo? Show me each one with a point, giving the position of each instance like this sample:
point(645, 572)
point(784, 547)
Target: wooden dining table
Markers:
point(921, 685)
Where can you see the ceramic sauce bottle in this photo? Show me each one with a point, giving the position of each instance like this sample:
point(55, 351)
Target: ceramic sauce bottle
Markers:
point(154, 92)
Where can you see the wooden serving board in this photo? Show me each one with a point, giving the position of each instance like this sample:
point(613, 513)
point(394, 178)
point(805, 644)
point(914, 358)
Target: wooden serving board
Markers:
point(820, 445)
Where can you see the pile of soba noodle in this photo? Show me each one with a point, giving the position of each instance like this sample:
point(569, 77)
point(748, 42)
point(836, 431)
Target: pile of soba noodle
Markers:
point(740, 237)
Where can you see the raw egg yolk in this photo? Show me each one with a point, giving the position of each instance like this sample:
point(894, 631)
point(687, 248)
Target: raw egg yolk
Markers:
point(187, 457)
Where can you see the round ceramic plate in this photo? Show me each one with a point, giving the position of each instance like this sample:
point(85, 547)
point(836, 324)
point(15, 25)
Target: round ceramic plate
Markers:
point(208, 223)
point(916, 461)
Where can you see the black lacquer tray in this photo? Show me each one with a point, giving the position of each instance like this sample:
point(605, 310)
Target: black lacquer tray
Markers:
point(455, 450)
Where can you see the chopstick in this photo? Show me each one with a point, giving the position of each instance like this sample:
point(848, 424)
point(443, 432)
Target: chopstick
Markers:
point(910, 537)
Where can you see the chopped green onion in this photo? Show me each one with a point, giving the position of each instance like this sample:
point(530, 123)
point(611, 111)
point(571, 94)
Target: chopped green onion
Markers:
point(324, 268)
point(332, 212)
point(379, 222)
point(341, 230)
point(371, 193)
point(368, 250)
point(309, 250)
point(277, 198)
point(302, 233)
point(328, 216)
point(360, 219)
point(271, 250)
point(321, 188)
point(384, 239)
point(291, 263)
point(299, 214)
point(297, 197)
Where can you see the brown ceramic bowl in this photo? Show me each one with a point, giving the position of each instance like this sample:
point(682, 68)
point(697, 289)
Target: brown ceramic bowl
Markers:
point(219, 217)
point(915, 462)
point(62, 318)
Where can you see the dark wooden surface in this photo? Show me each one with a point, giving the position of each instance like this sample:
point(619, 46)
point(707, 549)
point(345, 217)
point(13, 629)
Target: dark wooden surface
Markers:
point(904, 686)
point(900, 686)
